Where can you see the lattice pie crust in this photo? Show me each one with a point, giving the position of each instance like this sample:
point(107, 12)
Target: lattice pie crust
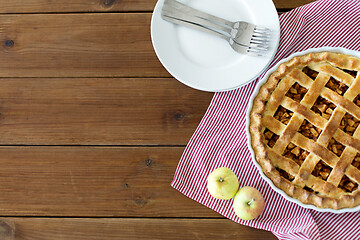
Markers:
point(304, 127)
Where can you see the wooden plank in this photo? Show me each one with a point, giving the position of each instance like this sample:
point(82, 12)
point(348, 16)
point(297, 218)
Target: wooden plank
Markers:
point(78, 45)
point(35, 6)
point(109, 229)
point(93, 182)
point(40, 6)
point(103, 111)
point(289, 4)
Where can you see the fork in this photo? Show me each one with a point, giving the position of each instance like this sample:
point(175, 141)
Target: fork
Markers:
point(247, 50)
point(242, 32)
point(243, 37)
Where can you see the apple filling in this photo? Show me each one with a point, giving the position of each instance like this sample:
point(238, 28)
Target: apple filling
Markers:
point(296, 92)
point(295, 153)
point(322, 170)
point(336, 147)
point(349, 124)
point(323, 107)
point(352, 73)
point(285, 174)
point(357, 100)
point(308, 189)
point(336, 86)
point(310, 73)
point(309, 130)
point(356, 161)
point(270, 138)
point(347, 184)
point(283, 115)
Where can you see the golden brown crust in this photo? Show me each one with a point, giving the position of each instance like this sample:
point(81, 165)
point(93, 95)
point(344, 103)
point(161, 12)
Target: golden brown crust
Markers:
point(327, 177)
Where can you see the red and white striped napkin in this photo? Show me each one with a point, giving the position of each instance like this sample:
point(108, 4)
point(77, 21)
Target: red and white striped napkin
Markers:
point(220, 139)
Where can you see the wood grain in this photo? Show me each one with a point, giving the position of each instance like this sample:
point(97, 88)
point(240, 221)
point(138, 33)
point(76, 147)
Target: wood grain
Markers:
point(40, 6)
point(289, 4)
point(139, 229)
point(34, 6)
point(93, 182)
point(78, 45)
point(103, 111)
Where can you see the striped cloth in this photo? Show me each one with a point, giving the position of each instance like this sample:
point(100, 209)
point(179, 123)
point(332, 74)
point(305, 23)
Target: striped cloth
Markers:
point(220, 139)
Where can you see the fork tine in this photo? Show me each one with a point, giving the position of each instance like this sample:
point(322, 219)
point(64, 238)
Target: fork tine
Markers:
point(259, 44)
point(258, 47)
point(259, 40)
point(264, 34)
point(255, 53)
point(261, 34)
point(263, 29)
point(260, 31)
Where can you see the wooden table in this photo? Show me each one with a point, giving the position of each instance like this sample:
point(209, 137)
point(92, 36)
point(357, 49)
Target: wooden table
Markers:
point(92, 127)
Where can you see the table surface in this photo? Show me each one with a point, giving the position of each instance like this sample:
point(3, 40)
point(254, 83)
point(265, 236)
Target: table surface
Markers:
point(92, 127)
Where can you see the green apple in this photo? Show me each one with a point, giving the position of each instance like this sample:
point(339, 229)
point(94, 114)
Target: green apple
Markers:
point(248, 203)
point(222, 183)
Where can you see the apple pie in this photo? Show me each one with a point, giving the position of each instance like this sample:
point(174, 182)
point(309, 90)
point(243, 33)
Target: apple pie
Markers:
point(304, 128)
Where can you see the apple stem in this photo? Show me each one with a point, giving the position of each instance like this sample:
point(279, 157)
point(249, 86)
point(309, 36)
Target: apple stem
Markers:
point(251, 201)
point(220, 179)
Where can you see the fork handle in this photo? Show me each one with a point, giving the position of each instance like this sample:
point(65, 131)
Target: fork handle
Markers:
point(193, 26)
point(186, 9)
point(171, 12)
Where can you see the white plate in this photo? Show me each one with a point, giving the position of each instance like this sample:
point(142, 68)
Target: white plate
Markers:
point(261, 82)
point(204, 61)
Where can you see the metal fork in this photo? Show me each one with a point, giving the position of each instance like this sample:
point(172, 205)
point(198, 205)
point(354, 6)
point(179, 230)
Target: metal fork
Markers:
point(242, 32)
point(237, 47)
point(243, 37)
